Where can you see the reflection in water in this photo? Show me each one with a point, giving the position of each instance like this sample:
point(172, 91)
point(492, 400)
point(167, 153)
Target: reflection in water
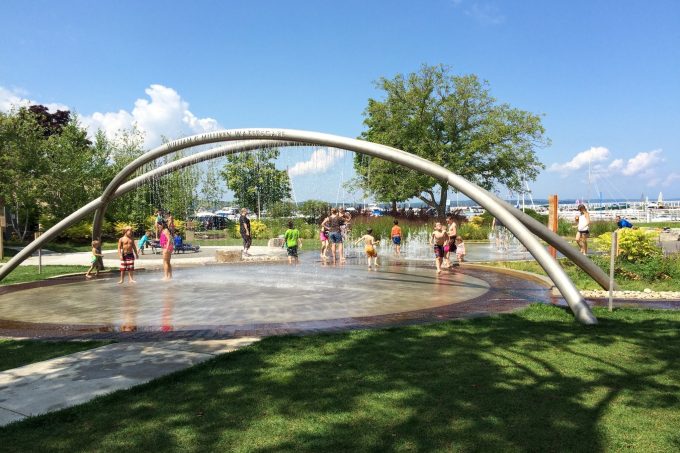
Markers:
point(168, 307)
point(130, 308)
point(227, 295)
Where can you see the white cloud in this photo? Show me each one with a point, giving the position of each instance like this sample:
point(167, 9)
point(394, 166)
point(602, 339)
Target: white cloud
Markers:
point(319, 162)
point(166, 114)
point(616, 165)
point(485, 13)
point(163, 114)
point(582, 159)
point(14, 98)
point(671, 179)
point(642, 162)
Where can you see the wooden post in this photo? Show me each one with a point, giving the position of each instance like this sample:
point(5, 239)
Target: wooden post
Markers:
point(553, 220)
point(2, 232)
point(612, 264)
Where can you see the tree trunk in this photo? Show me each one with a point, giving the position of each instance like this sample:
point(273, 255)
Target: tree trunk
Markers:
point(441, 206)
point(394, 205)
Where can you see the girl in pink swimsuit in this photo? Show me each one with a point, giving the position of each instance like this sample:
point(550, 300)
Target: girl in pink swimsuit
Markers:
point(323, 237)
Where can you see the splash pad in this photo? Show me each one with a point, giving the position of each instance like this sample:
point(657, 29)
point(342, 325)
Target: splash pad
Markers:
point(262, 298)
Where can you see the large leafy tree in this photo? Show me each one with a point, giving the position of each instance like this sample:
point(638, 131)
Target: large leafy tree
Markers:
point(254, 175)
point(21, 169)
point(453, 121)
point(211, 187)
point(48, 166)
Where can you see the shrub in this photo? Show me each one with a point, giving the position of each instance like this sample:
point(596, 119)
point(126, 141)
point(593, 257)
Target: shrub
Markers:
point(80, 232)
point(315, 210)
point(601, 227)
point(472, 231)
point(634, 244)
point(119, 228)
point(282, 209)
point(258, 230)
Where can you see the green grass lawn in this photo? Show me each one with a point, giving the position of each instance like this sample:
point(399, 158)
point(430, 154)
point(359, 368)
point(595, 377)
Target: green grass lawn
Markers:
point(16, 353)
point(23, 274)
point(583, 281)
point(531, 381)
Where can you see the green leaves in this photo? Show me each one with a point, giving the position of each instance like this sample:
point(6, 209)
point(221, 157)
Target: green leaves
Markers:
point(453, 121)
point(252, 175)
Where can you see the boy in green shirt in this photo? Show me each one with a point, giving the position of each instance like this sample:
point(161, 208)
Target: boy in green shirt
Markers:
point(292, 241)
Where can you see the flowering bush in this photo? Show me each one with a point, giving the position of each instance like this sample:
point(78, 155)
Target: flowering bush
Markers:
point(258, 230)
point(634, 244)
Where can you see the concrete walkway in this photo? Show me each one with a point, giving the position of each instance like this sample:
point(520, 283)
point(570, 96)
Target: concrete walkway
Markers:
point(204, 256)
point(74, 379)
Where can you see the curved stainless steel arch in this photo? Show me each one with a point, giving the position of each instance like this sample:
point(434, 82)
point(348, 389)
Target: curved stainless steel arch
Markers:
point(345, 143)
point(481, 196)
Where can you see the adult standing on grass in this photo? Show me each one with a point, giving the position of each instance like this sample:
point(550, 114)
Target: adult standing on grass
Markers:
point(582, 228)
point(127, 252)
point(167, 245)
point(246, 232)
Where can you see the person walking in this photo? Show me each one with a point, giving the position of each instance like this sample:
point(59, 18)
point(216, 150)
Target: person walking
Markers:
point(369, 248)
point(582, 228)
point(293, 241)
point(323, 237)
point(438, 239)
point(93, 260)
point(246, 232)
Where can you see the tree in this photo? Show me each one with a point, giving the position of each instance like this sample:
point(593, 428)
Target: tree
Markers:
point(254, 179)
point(454, 122)
point(314, 210)
point(282, 209)
point(211, 188)
point(21, 167)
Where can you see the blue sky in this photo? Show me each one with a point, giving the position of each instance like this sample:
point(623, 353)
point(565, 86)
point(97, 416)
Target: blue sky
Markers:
point(606, 74)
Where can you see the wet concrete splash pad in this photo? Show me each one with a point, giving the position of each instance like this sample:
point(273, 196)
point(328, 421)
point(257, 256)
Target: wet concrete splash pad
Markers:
point(230, 298)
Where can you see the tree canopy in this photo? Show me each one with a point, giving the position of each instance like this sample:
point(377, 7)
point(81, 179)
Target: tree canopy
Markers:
point(453, 121)
point(49, 168)
point(253, 174)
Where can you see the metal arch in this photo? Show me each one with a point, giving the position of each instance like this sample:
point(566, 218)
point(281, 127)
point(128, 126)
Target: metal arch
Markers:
point(93, 205)
point(481, 196)
point(346, 143)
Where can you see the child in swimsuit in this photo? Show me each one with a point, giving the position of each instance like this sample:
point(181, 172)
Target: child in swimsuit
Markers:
point(438, 240)
point(369, 247)
point(143, 241)
point(323, 237)
point(460, 249)
point(93, 260)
